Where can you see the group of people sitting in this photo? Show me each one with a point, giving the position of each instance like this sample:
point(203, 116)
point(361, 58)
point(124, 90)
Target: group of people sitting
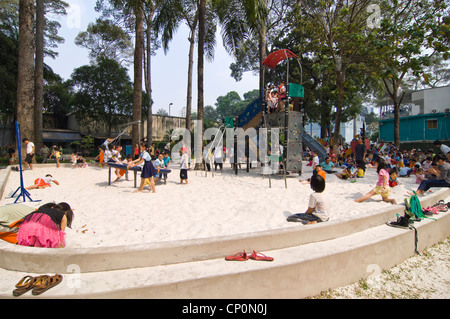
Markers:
point(78, 160)
point(430, 169)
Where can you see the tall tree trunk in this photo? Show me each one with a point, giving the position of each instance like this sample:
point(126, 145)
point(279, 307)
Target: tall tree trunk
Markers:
point(148, 78)
point(262, 56)
point(397, 100)
point(200, 68)
point(190, 72)
point(339, 108)
point(25, 71)
point(137, 90)
point(39, 75)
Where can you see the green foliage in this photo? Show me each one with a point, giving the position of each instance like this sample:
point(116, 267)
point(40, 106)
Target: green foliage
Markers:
point(57, 96)
point(102, 94)
point(104, 39)
point(232, 105)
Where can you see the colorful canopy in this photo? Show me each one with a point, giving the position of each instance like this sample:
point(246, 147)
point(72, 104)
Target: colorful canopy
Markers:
point(276, 57)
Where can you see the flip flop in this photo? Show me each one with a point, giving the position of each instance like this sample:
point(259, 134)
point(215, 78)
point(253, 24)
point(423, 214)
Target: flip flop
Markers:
point(25, 284)
point(240, 256)
point(46, 283)
point(260, 256)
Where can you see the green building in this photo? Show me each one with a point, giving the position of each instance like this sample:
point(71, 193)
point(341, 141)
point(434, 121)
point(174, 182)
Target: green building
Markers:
point(421, 127)
point(424, 117)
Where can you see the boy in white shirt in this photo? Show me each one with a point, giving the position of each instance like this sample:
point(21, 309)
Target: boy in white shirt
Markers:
point(184, 166)
point(315, 160)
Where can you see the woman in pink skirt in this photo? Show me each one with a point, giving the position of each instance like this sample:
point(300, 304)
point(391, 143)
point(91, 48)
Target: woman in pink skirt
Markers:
point(45, 226)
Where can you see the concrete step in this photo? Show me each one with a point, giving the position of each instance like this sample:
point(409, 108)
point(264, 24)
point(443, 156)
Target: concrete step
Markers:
point(296, 272)
point(30, 259)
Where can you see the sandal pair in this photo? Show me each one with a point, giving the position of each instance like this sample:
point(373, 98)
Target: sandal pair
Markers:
point(242, 256)
point(38, 285)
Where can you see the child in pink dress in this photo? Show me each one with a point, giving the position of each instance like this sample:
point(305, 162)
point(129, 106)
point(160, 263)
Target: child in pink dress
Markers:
point(46, 226)
point(382, 188)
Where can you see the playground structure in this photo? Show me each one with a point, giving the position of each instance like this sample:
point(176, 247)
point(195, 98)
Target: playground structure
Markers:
point(292, 123)
point(289, 124)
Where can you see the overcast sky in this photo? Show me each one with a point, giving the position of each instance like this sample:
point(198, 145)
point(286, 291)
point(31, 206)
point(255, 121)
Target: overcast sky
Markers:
point(169, 72)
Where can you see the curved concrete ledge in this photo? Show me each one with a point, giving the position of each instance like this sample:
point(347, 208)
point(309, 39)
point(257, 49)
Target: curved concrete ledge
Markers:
point(296, 272)
point(38, 260)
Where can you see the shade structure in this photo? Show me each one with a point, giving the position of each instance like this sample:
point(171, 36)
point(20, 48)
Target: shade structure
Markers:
point(276, 57)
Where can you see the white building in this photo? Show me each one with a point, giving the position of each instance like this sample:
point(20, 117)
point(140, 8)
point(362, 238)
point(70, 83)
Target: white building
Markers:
point(435, 100)
point(426, 101)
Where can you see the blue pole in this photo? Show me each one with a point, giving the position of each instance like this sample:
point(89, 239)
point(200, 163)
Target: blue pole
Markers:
point(23, 191)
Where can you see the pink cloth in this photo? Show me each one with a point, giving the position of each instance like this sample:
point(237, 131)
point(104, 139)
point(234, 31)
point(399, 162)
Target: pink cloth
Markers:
point(381, 174)
point(40, 231)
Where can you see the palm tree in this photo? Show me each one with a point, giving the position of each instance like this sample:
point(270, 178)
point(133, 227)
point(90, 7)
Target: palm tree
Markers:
point(25, 70)
point(200, 67)
point(148, 16)
point(131, 11)
point(138, 56)
point(240, 19)
point(167, 20)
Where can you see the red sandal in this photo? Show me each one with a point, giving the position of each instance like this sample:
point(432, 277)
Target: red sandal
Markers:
point(240, 256)
point(260, 256)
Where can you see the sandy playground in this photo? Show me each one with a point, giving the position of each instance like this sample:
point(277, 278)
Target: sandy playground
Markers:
point(211, 206)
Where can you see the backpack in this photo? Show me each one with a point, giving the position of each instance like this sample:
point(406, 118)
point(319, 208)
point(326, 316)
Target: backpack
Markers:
point(415, 208)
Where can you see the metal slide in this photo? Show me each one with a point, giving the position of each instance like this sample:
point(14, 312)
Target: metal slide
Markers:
point(314, 145)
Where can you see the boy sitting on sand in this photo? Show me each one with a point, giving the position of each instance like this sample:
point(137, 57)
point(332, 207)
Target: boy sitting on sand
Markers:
point(317, 171)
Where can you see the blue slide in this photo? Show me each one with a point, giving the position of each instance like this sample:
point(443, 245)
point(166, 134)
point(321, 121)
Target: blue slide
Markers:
point(314, 145)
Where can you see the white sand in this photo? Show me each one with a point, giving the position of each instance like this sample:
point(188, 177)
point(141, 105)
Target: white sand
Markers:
point(226, 204)
point(424, 276)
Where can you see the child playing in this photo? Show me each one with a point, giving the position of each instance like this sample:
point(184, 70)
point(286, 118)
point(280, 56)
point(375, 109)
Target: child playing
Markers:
point(148, 171)
point(382, 187)
point(57, 154)
point(347, 171)
point(43, 182)
point(317, 209)
point(73, 159)
point(159, 163)
point(315, 160)
point(124, 171)
point(393, 181)
point(317, 171)
point(184, 165)
point(100, 157)
point(419, 175)
point(166, 159)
